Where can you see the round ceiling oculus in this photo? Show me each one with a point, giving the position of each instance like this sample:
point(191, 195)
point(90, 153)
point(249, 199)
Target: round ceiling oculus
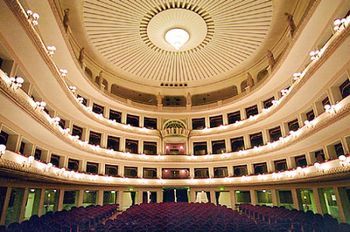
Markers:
point(184, 28)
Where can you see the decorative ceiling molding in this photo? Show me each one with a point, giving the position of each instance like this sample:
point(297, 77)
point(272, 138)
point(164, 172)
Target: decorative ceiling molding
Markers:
point(117, 30)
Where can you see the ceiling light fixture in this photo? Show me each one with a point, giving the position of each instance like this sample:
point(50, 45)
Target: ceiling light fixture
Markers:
point(177, 37)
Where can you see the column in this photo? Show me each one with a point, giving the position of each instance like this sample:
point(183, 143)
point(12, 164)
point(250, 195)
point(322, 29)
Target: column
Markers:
point(13, 143)
point(82, 165)
point(80, 197)
point(142, 121)
point(295, 199)
point(301, 119)
point(317, 200)
point(104, 140)
point(106, 111)
point(342, 203)
point(45, 157)
point(317, 108)
point(270, 166)
point(192, 195)
point(266, 137)
point(6, 204)
point(275, 198)
point(191, 173)
point(233, 199)
point(309, 159)
point(210, 149)
point(247, 143)
point(284, 129)
point(228, 145)
point(41, 202)
point(211, 172)
point(139, 196)
point(250, 169)
point(100, 197)
point(190, 147)
point(140, 146)
point(139, 172)
point(122, 144)
point(159, 123)
point(290, 162)
point(330, 95)
point(327, 155)
point(85, 135)
point(224, 119)
point(120, 199)
point(335, 94)
point(60, 199)
point(260, 106)
point(159, 172)
point(121, 170)
point(253, 198)
point(63, 162)
point(28, 149)
point(23, 205)
point(101, 168)
point(160, 196)
point(243, 113)
point(229, 170)
point(123, 119)
point(212, 197)
point(345, 145)
point(207, 122)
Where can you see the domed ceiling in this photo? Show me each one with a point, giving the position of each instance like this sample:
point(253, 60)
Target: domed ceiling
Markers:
point(129, 36)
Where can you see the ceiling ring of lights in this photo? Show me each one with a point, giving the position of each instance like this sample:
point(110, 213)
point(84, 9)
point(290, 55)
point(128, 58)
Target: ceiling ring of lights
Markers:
point(197, 23)
point(117, 34)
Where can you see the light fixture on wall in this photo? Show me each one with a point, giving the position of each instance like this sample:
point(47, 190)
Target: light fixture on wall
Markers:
point(2, 150)
point(51, 50)
point(16, 82)
point(33, 17)
point(40, 105)
point(341, 24)
point(63, 72)
point(177, 37)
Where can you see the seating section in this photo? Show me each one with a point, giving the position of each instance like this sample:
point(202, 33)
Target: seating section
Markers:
point(179, 217)
point(282, 219)
point(76, 219)
point(184, 217)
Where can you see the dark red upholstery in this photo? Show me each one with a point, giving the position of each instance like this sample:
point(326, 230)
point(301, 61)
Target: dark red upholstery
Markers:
point(282, 219)
point(76, 219)
point(179, 217)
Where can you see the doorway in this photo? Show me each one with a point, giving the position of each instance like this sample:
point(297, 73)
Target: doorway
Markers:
point(175, 195)
point(175, 148)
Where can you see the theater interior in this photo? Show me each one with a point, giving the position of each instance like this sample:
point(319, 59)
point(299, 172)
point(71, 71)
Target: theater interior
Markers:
point(175, 115)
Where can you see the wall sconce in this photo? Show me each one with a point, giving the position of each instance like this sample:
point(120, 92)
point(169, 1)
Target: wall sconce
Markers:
point(48, 167)
point(16, 82)
point(40, 105)
point(55, 121)
point(284, 92)
point(315, 55)
point(341, 24)
point(2, 150)
point(73, 89)
point(63, 72)
point(330, 109)
point(51, 50)
point(28, 162)
point(344, 161)
point(297, 76)
point(33, 17)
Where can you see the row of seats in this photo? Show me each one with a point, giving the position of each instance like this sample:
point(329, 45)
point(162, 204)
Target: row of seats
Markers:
point(76, 219)
point(160, 217)
point(282, 219)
